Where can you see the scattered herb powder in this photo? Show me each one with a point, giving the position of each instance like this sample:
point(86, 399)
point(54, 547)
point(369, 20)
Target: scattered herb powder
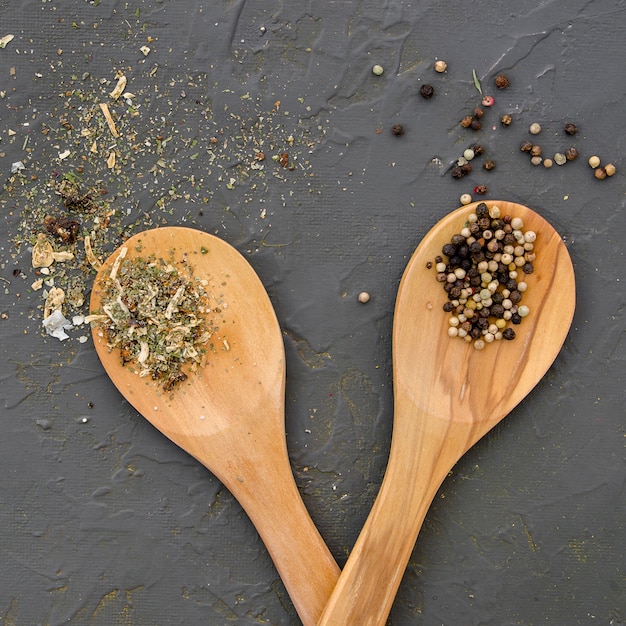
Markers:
point(157, 316)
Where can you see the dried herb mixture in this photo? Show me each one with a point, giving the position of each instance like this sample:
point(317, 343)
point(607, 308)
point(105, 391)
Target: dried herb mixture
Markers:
point(156, 316)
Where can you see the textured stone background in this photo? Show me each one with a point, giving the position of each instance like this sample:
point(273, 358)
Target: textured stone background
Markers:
point(103, 520)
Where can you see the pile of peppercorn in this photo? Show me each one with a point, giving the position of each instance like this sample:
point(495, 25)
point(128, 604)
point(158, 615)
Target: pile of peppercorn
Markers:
point(484, 276)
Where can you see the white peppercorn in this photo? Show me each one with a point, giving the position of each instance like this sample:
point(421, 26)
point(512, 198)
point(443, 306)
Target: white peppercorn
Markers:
point(535, 128)
point(594, 161)
point(377, 70)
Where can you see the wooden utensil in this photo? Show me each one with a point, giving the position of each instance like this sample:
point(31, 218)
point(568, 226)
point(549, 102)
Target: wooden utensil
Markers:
point(231, 417)
point(447, 395)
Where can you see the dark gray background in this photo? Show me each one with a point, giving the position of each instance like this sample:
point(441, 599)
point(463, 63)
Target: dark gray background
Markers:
point(103, 520)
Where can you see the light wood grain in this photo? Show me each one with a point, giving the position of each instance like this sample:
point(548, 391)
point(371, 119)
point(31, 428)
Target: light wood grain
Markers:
point(231, 418)
point(447, 395)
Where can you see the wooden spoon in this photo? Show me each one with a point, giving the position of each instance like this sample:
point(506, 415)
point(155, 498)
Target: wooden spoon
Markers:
point(447, 395)
point(231, 417)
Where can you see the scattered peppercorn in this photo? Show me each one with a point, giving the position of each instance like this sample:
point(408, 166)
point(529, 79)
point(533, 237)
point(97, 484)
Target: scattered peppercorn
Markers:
point(506, 120)
point(571, 154)
point(571, 129)
point(600, 173)
point(397, 129)
point(377, 70)
point(489, 164)
point(364, 297)
point(478, 112)
point(478, 149)
point(594, 161)
point(427, 91)
point(466, 121)
point(488, 101)
point(502, 81)
point(535, 151)
point(534, 128)
point(476, 124)
point(560, 158)
point(609, 168)
point(526, 146)
point(480, 190)
point(440, 66)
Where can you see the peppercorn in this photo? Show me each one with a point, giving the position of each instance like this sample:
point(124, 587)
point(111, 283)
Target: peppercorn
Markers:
point(475, 124)
point(489, 164)
point(609, 168)
point(478, 112)
point(535, 151)
point(594, 161)
point(482, 210)
point(466, 121)
point(534, 128)
point(571, 154)
point(427, 91)
point(560, 158)
point(466, 168)
point(457, 172)
point(502, 81)
point(480, 190)
point(528, 268)
point(526, 146)
point(508, 333)
point(488, 101)
point(600, 173)
point(478, 149)
point(571, 129)
point(440, 66)
point(506, 120)
point(397, 129)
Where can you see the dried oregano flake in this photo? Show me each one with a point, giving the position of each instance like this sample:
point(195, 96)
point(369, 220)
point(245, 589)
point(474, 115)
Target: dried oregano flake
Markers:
point(157, 315)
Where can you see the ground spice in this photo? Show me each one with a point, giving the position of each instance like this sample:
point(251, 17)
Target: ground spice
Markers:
point(157, 315)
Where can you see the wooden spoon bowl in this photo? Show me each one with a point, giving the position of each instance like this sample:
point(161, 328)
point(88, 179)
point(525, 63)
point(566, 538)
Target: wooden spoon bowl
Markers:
point(230, 417)
point(447, 395)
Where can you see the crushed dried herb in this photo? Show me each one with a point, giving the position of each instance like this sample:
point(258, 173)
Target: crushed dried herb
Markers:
point(156, 313)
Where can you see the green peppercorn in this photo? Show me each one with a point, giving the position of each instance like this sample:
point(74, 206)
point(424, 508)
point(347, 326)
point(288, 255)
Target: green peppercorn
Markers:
point(427, 91)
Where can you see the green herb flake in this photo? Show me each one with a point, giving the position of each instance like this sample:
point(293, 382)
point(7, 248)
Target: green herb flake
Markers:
point(477, 82)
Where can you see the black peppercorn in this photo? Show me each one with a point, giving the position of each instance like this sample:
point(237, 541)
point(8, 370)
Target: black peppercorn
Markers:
point(397, 129)
point(429, 265)
point(427, 91)
point(497, 310)
point(516, 318)
point(508, 333)
point(528, 268)
point(515, 297)
point(571, 154)
point(478, 112)
point(535, 151)
point(506, 120)
point(476, 125)
point(482, 210)
point(457, 172)
point(480, 189)
point(466, 121)
point(478, 149)
point(571, 129)
point(449, 249)
point(502, 81)
point(448, 307)
point(489, 164)
point(466, 168)
point(526, 146)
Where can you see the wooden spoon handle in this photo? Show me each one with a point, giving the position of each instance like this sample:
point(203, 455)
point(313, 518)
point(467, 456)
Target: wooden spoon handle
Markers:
point(269, 495)
point(369, 581)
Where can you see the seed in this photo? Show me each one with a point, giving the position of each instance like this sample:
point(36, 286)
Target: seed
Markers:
point(506, 120)
point(364, 297)
point(594, 161)
point(478, 149)
point(478, 112)
point(571, 129)
point(468, 154)
point(488, 101)
point(535, 128)
point(523, 311)
point(508, 333)
point(489, 164)
point(480, 190)
point(475, 124)
point(560, 158)
point(466, 121)
point(427, 91)
point(547, 162)
point(600, 173)
point(535, 151)
point(440, 66)
point(502, 81)
point(571, 154)
point(397, 129)
point(536, 160)
point(526, 146)
point(609, 168)
point(465, 198)
point(377, 70)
